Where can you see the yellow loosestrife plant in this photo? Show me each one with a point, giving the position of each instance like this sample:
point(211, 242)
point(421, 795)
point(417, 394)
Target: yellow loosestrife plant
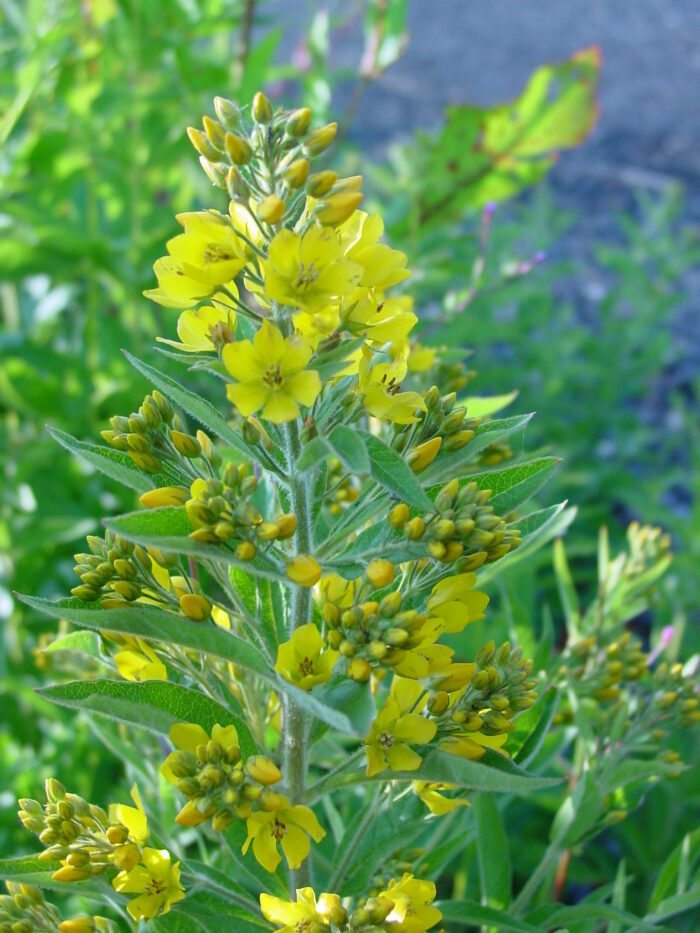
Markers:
point(277, 608)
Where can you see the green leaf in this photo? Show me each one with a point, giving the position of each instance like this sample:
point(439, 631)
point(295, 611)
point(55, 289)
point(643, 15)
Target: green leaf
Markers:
point(84, 642)
point(513, 485)
point(335, 360)
point(168, 528)
point(113, 463)
point(532, 727)
point(469, 913)
point(676, 904)
point(484, 155)
point(683, 862)
point(483, 407)
point(578, 813)
point(536, 529)
point(492, 852)
point(194, 405)
point(210, 910)
point(345, 446)
point(28, 869)
point(457, 462)
point(391, 471)
point(566, 588)
point(153, 705)
point(157, 625)
point(312, 453)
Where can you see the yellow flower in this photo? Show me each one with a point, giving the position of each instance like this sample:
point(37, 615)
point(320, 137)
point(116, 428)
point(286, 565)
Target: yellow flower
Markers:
point(188, 736)
point(472, 745)
point(198, 329)
point(288, 825)
point(155, 880)
point(303, 914)
point(456, 603)
point(132, 818)
point(270, 374)
point(207, 255)
point(309, 271)
point(410, 900)
point(336, 589)
point(380, 386)
point(430, 793)
point(395, 729)
point(304, 660)
point(381, 265)
point(383, 320)
point(421, 358)
point(140, 665)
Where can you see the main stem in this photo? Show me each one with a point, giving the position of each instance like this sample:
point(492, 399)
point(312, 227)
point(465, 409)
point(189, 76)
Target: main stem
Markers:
point(293, 716)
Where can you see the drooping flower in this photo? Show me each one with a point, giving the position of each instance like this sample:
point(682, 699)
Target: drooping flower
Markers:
point(285, 824)
point(398, 726)
point(411, 911)
point(155, 880)
point(309, 272)
point(271, 375)
point(140, 663)
point(200, 330)
point(305, 660)
point(430, 792)
point(456, 603)
point(381, 265)
point(302, 914)
point(380, 386)
point(207, 255)
point(382, 320)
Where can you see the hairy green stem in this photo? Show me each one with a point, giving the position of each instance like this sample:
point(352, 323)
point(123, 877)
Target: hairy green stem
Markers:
point(293, 716)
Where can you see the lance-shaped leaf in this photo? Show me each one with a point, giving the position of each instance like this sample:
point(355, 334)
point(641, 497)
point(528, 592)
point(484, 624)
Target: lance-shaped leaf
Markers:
point(391, 471)
point(28, 869)
point(113, 463)
point(168, 528)
point(493, 853)
point(156, 625)
point(154, 705)
point(344, 445)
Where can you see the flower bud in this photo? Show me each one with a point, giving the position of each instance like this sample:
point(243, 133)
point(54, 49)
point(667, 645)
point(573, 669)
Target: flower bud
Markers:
point(196, 607)
point(304, 570)
point(272, 209)
point(319, 140)
point(238, 149)
point(246, 550)
point(202, 144)
point(227, 112)
point(338, 208)
point(261, 769)
point(186, 445)
point(415, 529)
point(298, 123)
point(359, 670)
point(380, 572)
point(261, 109)
point(423, 455)
point(320, 183)
point(399, 515)
point(166, 495)
point(297, 173)
point(215, 132)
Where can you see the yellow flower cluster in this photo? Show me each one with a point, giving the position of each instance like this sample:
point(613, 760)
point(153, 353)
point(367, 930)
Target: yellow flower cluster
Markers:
point(87, 841)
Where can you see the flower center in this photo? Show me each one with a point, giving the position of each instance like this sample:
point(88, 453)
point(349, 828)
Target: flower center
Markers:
point(306, 276)
point(306, 667)
point(386, 739)
point(155, 887)
point(273, 378)
point(216, 253)
point(392, 387)
point(279, 830)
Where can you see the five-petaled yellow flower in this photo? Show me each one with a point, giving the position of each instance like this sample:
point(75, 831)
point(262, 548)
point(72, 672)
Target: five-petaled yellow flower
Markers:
point(456, 603)
point(271, 375)
point(382, 266)
point(398, 726)
point(140, 663)
point(303, 914)
point(380, 386)
point(282, 823)
point(155, 880)
point(207, 255)
point(411, 911)
point(430, 792)
point(309, 271)
point(305, 660)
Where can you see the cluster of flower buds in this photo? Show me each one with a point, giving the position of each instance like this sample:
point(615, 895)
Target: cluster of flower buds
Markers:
point(442, 420)
point(412, 897)
point(451, 373)
point(374, 637)
point(210, 772)
point(490, 693)
point(221, 511)
point(238, 159)
point(676, 692)
point(77, 834)
point(115, 570)
point(647, 546)
point(153, 436)
point(601, 671)
point(25, 910)
point(463, 530)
